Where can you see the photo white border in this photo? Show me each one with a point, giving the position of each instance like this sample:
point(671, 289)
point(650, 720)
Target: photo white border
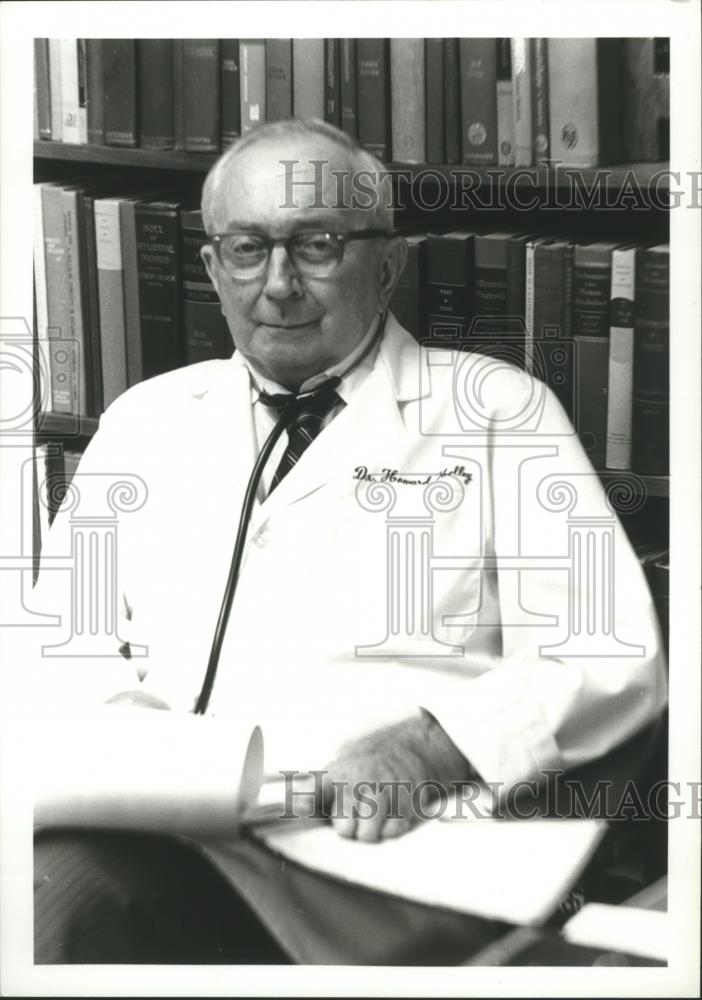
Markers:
point(680, 19)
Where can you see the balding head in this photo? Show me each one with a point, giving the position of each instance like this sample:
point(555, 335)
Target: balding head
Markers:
point(319, 166)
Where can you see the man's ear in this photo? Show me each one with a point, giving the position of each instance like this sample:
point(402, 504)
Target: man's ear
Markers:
point(394, 258)
point(210, 262)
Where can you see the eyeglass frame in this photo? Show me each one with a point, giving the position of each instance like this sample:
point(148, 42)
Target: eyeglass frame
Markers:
point(215, 239)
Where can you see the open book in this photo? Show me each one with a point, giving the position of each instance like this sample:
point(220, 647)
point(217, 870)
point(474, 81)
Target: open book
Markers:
point(129, 769)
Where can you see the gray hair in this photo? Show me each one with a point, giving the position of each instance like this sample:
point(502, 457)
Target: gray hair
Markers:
point(361, 161)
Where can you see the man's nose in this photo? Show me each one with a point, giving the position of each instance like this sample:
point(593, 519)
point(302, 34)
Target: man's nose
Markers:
point(282, 281)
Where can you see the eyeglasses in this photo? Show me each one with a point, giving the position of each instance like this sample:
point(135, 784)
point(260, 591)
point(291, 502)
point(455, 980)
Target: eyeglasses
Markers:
point(313, 253)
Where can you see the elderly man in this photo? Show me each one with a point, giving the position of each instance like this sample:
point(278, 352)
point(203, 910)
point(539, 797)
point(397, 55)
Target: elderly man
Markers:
point(352, 655)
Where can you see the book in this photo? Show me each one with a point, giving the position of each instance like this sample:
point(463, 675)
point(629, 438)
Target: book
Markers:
point(95, 90)
point(500, 330)
point(478, 69)
point(407, 303)
point(62, 354)
point(55, 89)
point(407, 100)
point(585, 93)
point(521, 102)
point(230, 90)
point(156, 96)
point(158, 263)
point(40, 301)
point(205, 331)
point(43, 87)
point(373, 66)
point(452, 100)
point(516, 275)
point(590, 404)
point(252, 53)
point(549, 343)
point(592, 286)
point(651, 393)
point(646, 99)
point(120, 92)
point(108, 249)
point(540, 127)
point(74, 118)
point(179, 94)
point(436, 111)
point(450, 282)
point(279, 96)
point(212, 795)
point(91, 305)
point(505, 104)
point(201, 98)
point(75, 301)
point(621, 358)
point(308, 78)
point(349, 87)
point(132, 306)
point(332, 81)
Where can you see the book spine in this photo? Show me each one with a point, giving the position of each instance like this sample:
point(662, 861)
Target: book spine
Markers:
point(592, 280)
point(374, 96)
point(41, 304)
point(650, 448)
point(158, 249)
point(591, 402)
point(529, 255)
point(70, 117)
point(91, 308)
point(201, 98)
point(205, 332)
point(541, 143)
point(130, 269)
point(72, 236)
point(43, 86)
point(435, 108)
point(516, 277)
point(407, 303)
point(95, 89)
point(253, 83)
point(450, 283)
point(452, 100)
point(478, 61)
point(491, 276)
point(521, 100)
point(60, 348)
point(308, 77)
point(120, 92)
point(553, 269)
point(645, 98)
point(279, 68)
point(55, 89)
point(332, 81)
point(621, 358)
point(230, 88)
point(156, 98)
point(505, 104)
point(407, 99)
point(178, 95)
point(349, 87)
point(113, 351)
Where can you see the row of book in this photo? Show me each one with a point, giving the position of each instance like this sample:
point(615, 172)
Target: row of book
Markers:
point(590, 319)
point(475, 101)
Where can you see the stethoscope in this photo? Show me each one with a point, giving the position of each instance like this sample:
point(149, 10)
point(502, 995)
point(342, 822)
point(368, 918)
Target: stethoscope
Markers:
point(287, 417)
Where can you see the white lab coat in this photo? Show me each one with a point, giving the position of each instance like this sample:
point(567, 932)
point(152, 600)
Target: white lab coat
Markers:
point(317, 578)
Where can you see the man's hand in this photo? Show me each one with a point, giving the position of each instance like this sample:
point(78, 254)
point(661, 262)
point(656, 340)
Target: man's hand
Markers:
point(372, 787)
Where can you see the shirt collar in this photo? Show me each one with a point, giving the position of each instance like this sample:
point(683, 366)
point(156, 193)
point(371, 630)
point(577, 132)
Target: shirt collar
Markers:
point(259, 382)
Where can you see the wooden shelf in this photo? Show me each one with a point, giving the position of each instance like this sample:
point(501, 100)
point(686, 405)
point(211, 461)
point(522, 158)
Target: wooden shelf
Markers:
point(66, 425)
point(641, 174)
point(653, 486)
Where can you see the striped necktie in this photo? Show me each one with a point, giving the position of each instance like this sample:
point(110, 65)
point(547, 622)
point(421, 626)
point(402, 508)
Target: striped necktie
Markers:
point(305, 415)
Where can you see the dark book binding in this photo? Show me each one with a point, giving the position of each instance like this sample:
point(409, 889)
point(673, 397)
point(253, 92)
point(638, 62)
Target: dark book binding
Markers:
point(205, 331)
point(452, 100)
point(332, 81)
point(592, 280)
point(591, 396)
point(91, 308)
point(230, 90)
point(540, 123)
point(436, 115)
point(157, 233)
point(201, 99)
point(450, 281)
point(43, 86)
point(279, 87)
point(478, 74)
point(651, 397)
point(373, 62)
point(120, 92)
point(349, 87)
point(96, 90)
point(553, 343)
point(156, 98)
point(407, 303)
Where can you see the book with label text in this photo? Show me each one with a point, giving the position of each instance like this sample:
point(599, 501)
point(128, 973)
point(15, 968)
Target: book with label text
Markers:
point(156, 95)
point(279, 89)
point(252, 55)
point(651, 394)
point(621, 357)
point(230, 90)
point(478, 65)
point(119, 65)
point(408, 100)
point(373, 62)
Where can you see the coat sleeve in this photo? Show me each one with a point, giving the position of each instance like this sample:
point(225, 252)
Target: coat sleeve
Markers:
point(581, 667)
